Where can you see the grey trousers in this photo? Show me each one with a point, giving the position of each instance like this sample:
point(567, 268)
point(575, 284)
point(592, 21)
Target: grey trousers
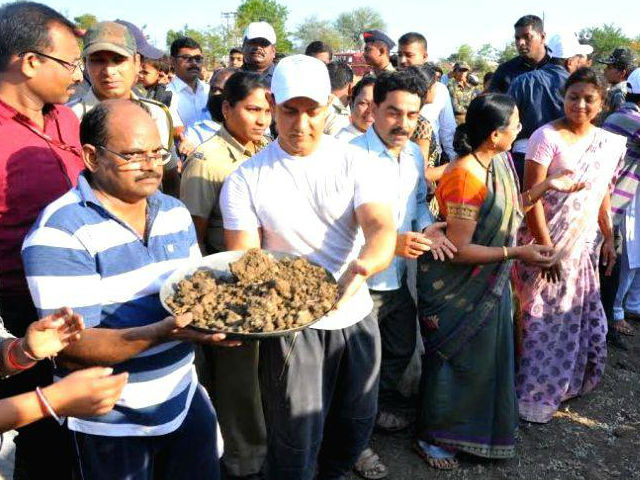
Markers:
point(230, 376)
point(319, 393)
point(396, 314)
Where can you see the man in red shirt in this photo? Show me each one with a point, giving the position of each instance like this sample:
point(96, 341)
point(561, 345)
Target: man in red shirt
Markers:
point(39, 161)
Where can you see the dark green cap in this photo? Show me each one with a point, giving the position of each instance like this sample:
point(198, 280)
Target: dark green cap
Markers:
point(110, 37)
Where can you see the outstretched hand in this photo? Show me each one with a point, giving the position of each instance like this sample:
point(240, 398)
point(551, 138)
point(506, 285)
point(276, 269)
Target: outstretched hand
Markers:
point(561, 181)
point(51, 334)
point(441, 246)
point(179, 332)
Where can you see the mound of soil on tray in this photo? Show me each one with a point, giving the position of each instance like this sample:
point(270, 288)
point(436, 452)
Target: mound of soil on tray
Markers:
point(263, 295)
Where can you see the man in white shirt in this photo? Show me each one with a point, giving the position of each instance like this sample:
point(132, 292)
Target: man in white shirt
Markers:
point(397, 98)
point(309, 194)
point(190, 94)
point(412, 50)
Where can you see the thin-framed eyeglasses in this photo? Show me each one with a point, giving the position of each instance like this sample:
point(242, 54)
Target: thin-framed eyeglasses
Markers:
point(71, 66)
point(158, 158)
point(517, 129)
point(191, 58)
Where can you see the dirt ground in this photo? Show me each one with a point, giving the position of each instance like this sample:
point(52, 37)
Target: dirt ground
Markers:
point(594, 437)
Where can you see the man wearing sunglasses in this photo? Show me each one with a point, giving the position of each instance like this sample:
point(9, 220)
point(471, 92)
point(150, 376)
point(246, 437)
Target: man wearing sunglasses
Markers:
point(39, 161)
point(105, 248)
point(190, 93)
point(112, 63)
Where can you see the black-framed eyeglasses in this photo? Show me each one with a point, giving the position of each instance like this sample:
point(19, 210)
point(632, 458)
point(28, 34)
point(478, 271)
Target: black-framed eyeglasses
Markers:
point(159, 157)
point(71, 66)
point(191, 58)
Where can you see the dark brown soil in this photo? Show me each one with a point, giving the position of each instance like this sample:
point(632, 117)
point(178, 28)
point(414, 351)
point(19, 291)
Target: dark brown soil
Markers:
point(264, 295)
point(595, 437)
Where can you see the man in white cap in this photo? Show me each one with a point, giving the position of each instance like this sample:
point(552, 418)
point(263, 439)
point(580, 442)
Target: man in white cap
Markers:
point(259, 49)
point(539, 93)
point(309, 194)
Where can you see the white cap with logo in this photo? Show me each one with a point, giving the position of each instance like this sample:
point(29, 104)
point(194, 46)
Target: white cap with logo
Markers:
point(260, 30)
point(301, 76)
point(566, 45)
point(633, 82)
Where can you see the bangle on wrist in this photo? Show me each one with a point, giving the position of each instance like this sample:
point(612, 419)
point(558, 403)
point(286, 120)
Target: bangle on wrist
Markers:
point(44, 403)
point(31, 357)
point(13, 362)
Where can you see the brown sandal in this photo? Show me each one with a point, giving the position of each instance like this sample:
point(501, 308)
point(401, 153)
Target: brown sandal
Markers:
point(623, 328)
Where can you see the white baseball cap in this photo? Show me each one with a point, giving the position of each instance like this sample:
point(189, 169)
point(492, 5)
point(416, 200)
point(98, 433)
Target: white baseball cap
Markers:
point(633, 82)
point(260, 30)
point(301, 76)
point(566, 45)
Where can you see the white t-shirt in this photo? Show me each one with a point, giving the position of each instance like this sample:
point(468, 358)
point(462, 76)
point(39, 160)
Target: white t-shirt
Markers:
point(306, 206)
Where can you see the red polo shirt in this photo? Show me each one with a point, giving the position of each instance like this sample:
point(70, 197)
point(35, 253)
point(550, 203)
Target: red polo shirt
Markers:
point(36, 167)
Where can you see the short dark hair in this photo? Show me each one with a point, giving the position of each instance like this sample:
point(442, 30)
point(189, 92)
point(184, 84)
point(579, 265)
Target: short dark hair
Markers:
point(426, 74)
point(487, 77)
point(413, 37)
point(162, 64)
point(93, 127)
point(485, 114)
point(340, 74)
point(406, 81)
point(24, 27)
point(183, 42)
point(318, 46)
point(235, 50)
point(530, 21)
point(238, 87)
point(587, 75)
point(364, 82)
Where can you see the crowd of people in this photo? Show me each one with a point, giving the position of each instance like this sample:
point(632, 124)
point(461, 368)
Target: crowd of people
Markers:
point(484, 241)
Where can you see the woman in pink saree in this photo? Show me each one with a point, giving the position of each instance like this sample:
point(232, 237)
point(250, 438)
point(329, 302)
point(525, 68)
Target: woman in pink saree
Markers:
point(563, 347)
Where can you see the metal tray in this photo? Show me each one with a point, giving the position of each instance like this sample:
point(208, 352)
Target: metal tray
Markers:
point(219, 264)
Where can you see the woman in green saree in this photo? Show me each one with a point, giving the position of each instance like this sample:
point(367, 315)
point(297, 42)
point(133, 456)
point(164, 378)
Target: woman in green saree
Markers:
point(468, 400)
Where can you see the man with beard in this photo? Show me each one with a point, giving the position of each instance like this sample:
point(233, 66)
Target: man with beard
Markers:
point(412, 51)
point(397, 99)
point(377, 51)
point(40, 65)
point(189, 93)
point(532, 53)
point(259, 49)
point(619, 66)
point(104, 249)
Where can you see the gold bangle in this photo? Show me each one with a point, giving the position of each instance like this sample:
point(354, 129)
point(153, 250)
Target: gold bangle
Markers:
point(506, 253)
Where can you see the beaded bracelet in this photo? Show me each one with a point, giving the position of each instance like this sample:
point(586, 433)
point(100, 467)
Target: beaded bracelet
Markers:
point(44, 403)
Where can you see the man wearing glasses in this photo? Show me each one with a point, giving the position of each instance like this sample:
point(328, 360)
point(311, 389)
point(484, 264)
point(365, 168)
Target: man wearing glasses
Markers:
point(104, 249)
point(113, 62)
point(39, 161)
point(190, 93)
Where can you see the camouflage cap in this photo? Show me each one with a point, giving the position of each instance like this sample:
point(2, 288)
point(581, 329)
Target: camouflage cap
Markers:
point(110, 37)
point(621, 58)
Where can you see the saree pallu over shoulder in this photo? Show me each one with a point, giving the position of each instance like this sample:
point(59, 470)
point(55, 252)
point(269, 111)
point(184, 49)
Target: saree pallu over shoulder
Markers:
point(452, 292)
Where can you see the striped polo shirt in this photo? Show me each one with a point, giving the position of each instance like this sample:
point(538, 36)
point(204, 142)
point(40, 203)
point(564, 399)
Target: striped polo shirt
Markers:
point(80, 255)
point(626, 121)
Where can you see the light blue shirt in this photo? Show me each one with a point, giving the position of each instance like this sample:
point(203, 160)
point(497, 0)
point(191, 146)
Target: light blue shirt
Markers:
point(202, 131)
point(410, 210)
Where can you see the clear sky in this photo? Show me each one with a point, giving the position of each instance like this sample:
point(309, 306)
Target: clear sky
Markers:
point(446, 23)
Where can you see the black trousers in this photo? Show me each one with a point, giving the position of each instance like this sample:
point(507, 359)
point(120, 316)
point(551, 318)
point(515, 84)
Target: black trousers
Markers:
point(319, 392)
point(43, 449)
point(396, 314)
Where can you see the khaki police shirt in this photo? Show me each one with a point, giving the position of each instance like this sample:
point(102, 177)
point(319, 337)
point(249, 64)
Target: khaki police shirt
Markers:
point(338, 117)
point(203, 176)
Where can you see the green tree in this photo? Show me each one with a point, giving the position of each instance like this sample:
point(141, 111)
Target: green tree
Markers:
point(508, 52)
point(269, 11)
point(85, 20)
point(313, 28)
point(464, 54)
point(605, 39)
point(352, 24)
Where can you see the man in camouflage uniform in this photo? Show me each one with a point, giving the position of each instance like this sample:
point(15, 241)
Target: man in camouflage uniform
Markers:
point(112, 63)
point(461, 91)
point(619, 66)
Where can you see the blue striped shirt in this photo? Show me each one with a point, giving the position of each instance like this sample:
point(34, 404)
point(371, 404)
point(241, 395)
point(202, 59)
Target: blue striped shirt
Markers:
point(80, 255)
